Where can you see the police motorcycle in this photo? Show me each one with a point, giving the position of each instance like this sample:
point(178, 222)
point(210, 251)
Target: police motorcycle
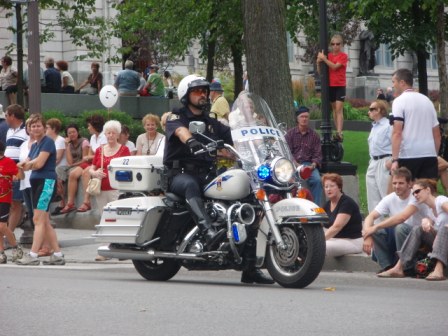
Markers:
point(257, 196)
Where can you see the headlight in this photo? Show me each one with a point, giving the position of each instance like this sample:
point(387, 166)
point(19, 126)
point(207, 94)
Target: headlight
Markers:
point(282, 170)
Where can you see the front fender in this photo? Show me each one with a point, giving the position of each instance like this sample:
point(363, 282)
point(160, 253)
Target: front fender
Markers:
point(299, 209)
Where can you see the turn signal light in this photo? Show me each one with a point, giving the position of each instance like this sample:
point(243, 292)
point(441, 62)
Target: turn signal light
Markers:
point(260, 195)
point(319, 210)
point(301, 193)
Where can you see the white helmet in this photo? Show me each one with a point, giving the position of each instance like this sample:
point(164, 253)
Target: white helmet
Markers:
point(189, 82)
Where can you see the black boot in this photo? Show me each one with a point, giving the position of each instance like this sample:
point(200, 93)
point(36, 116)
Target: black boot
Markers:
point(251, 274)
point(203, 221)
point(256, 276)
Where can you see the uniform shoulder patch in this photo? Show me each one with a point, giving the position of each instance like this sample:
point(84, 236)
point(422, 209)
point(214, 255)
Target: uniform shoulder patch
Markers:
point(172, 117)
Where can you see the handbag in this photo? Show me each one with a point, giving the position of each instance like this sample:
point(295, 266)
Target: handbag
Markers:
point(94, 186)
point(424, 266)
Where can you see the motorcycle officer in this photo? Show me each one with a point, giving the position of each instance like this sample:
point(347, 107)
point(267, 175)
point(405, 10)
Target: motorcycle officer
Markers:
point(188, 173)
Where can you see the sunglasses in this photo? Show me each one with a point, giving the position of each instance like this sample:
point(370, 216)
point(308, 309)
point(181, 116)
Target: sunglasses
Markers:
point(372, 109)
point(335, 43)
point(417, 191)
point(199, 91)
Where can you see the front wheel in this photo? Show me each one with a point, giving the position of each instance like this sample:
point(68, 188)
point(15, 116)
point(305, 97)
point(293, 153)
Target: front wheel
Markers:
point(301, 262)
point(157, 269)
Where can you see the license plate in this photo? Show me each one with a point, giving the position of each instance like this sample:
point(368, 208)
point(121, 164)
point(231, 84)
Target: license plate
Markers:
point(124, 211)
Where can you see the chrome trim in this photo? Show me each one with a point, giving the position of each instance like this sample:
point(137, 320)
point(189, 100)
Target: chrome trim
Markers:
point(149, 255)
point(232, 243)
point(187, 239)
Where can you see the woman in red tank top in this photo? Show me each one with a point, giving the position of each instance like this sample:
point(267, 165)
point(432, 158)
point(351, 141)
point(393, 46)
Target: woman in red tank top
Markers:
point(337, 66)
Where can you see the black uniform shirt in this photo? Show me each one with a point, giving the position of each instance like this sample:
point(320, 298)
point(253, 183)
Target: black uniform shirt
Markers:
point(177, 150)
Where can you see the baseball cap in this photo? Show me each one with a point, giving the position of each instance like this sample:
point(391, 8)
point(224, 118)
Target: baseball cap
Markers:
point(216, 86)
point(302, 109)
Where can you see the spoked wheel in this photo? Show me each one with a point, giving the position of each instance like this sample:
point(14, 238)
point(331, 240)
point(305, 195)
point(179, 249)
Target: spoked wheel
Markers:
point(157, 269)
point(301, 262)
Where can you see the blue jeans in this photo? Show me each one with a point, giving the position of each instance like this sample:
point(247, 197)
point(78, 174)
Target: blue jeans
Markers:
point(387, 242)
point(315, 184)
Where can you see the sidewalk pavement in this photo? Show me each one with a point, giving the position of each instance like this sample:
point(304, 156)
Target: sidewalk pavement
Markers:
point(79, 247)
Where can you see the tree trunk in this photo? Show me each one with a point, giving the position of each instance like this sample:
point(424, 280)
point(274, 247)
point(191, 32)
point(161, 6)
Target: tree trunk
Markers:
point(237, 56)
point(211, 50)
point(441, 60)
point(422, 72)
point(266, 54)
point(420, 51)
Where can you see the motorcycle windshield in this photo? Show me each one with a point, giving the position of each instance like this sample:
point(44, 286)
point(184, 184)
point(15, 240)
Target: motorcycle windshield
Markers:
point(255, 132)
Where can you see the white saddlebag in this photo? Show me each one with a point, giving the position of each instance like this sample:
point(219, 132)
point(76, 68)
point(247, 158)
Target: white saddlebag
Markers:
point(136, 173)
point(130, 220)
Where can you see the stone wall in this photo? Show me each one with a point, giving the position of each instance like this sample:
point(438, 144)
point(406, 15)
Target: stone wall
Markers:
point(75, 104)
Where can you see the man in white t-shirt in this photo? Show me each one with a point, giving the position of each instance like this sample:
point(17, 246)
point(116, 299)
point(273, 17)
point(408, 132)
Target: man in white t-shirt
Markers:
point(388, 236)
point(415, 135)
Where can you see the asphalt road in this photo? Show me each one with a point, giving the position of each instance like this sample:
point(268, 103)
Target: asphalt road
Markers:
point(115, 300)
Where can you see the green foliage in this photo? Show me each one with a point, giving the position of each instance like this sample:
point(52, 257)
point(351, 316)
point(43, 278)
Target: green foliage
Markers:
point(79, 20)
point(356, 151)
point(413, 23)
point(303, 15)
point(135, 126)
point(352, 113)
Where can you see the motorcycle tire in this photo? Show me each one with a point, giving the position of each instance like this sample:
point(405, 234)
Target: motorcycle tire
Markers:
point(301, 262)
point(157, 269)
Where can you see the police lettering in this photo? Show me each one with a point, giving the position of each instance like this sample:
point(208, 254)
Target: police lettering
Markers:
point(260, 131)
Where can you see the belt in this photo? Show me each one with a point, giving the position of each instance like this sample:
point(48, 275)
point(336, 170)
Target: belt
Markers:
point(381, 156)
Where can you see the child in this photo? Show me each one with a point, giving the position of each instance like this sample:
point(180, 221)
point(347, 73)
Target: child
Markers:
point(124, 139)
point(8, 170)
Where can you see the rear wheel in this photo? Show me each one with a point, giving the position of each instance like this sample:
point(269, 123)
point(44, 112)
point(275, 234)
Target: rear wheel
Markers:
point(301, 262)
point(157, 269)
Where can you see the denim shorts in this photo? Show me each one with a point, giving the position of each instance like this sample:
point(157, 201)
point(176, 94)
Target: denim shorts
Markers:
point(17, 194)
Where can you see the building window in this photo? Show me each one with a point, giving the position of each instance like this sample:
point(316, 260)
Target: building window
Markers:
point(383, 56)
point(290, 48)
point(431, 62)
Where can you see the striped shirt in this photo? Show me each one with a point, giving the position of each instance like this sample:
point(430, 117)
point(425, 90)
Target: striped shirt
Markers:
point(14, 139)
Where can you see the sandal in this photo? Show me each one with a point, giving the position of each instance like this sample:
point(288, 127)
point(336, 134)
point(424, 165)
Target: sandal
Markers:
point(84, 207)
point(68, 208)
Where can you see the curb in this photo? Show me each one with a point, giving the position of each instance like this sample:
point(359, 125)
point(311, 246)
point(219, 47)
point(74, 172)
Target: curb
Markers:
point(351, 263)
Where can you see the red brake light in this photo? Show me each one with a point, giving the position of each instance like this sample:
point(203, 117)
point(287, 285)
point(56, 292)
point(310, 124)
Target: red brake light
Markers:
point(304, 172)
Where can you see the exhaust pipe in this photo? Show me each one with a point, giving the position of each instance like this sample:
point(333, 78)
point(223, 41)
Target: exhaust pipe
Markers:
point(149, 255)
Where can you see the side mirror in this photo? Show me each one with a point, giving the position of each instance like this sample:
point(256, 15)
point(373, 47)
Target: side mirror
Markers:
point(196, 127)
point(282, 127)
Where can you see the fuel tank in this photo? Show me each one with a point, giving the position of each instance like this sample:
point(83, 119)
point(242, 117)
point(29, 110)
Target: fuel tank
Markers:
point(231, 185)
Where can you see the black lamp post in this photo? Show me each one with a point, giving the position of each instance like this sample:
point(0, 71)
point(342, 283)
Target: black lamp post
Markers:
point(18, 9)
point(332, 151)
point(325, 96)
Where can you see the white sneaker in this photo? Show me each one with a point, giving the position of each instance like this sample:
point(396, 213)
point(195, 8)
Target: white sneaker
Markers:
point(17, 253)
point(55, 260)
point(28, 260)
point(3, 258)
